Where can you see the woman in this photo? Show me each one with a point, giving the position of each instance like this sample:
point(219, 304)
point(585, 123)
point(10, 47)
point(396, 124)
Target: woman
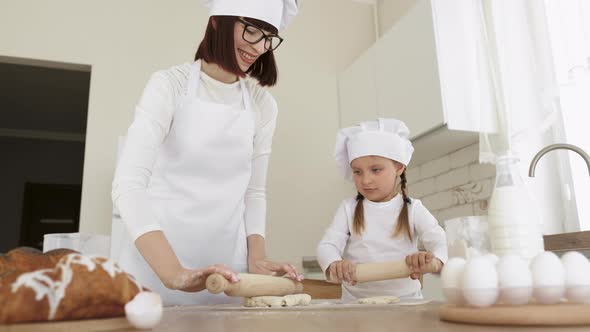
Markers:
point(190, 183)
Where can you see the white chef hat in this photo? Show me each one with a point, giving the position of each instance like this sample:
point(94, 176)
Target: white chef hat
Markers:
point(383, 137)
point(278, 13)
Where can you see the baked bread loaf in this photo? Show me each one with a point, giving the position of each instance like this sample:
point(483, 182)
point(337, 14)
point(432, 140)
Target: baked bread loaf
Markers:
point(26, 259)
point(61, 285)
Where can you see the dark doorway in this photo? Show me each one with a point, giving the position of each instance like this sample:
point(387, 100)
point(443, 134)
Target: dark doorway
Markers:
point(49, 208)
point(43, 114)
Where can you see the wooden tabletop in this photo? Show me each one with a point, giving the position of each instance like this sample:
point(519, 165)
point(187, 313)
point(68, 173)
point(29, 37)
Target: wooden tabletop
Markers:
point(313, 318)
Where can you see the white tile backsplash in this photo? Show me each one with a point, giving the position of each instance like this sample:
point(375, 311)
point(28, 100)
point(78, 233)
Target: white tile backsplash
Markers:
point(451, 179)
point(455, 211)
point(435, 167)
point(465, 156)
point(440, 200)
point(422, 188)
point(454, 185)
point(479, 171)
point(413, 175)
point(473, 191)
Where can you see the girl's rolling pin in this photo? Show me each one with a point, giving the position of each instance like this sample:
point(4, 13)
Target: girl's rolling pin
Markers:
point(389, 270)
point(253, 285)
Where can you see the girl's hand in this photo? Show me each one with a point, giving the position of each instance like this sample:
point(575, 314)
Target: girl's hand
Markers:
point(418, 262)
point(194, 280)
point(343, 270)
point(264, 266)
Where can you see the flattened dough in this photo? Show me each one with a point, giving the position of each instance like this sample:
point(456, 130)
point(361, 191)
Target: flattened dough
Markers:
point(379, 300)
point(277, 301)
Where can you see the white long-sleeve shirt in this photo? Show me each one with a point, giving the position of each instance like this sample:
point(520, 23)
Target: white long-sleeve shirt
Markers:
point(377, 243)
point(153, 116)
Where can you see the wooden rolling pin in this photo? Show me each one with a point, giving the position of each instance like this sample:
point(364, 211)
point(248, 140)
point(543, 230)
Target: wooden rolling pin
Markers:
point(389, 270)
point(253, 285)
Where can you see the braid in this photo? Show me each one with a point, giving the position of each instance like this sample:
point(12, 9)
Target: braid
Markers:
point(403, 224)
point(404, 181)
point(359, 215)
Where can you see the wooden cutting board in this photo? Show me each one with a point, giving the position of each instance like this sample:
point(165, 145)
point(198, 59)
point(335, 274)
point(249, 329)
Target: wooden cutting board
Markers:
point(564, 314)
point(118, 324)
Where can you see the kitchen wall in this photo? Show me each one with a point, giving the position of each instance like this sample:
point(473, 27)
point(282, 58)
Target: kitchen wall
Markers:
point(390, 11)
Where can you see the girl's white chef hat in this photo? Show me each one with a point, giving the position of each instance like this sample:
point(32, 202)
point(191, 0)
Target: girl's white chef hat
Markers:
point(383, 137)
point(275, 12)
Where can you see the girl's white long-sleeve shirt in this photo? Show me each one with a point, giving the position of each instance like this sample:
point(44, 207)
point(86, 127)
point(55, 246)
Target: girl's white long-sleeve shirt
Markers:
point(377, 243)
point(153, 116)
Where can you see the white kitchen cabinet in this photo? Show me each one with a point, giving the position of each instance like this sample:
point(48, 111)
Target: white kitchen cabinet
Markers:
point(428, 70)
point(357, 92)
point(407, 80)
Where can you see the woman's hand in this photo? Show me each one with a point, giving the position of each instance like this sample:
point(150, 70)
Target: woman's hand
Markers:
point(194, 280)
point(418, 263)
point(343, 270)
point(264, 266)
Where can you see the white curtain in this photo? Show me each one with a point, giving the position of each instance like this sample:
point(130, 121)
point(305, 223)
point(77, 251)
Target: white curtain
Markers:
point(524, 92)
point(536, 60)
point(569, 23)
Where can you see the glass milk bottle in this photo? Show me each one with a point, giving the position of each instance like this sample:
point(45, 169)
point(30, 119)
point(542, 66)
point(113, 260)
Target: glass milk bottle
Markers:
point(513, 224)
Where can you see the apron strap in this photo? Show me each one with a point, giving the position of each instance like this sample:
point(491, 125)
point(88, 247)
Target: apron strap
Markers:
point(193, 80)
point(246, 96)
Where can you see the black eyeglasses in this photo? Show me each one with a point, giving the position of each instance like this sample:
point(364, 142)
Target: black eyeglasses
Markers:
point(253, 35)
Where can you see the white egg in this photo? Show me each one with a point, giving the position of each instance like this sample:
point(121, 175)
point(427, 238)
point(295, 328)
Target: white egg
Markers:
point(451, 277)
point(457, 248)
point(145, 310)
point(577, 277)
point(480, 282)
point(493, 258)
point(514, 280)
point(472, 253)
point(548, 278)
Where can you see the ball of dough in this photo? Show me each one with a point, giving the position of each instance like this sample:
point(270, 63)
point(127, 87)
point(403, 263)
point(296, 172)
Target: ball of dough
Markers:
point(292, 300)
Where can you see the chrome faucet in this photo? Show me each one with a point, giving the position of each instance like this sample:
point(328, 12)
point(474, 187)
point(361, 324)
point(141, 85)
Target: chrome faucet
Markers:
point(557, 147)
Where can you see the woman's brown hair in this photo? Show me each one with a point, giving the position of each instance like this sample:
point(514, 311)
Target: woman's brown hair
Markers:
point(218, 47)
point(403, 222)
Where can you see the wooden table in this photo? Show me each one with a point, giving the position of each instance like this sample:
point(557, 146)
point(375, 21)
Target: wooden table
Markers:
point(325, 319)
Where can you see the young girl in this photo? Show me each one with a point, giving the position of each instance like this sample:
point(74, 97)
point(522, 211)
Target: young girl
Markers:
point(381, 223)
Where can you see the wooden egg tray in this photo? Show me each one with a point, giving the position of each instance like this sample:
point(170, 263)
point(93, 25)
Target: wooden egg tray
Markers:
point(562, 314)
